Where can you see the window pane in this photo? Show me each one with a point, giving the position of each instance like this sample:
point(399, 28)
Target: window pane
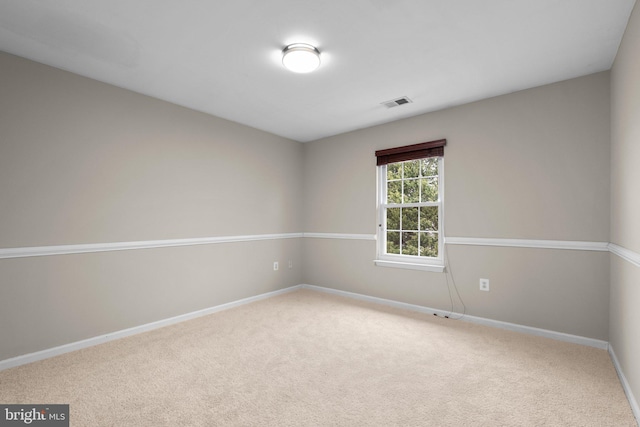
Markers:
point(429, 167)
point(409, 243)
point(412, 169)
point(394, 171)
point(410, 218)
point(411, 191)
point(429, 244)
point(429, 218)
point(429, 190)
point(412, 231)
point(393, 242)
point(394, 192)
point(393, 218)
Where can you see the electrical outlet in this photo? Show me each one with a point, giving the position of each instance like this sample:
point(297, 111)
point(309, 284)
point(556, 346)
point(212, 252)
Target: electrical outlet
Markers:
point(290, 264)
point(484, 285)
point(275, 266)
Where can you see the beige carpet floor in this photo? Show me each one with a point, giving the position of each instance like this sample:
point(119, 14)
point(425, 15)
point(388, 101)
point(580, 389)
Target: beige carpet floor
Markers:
point(311, 359)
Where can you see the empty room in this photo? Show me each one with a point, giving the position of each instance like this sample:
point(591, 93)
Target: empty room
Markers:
point(296, 213)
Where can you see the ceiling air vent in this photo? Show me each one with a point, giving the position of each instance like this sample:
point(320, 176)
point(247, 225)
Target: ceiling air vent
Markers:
point(397, 102)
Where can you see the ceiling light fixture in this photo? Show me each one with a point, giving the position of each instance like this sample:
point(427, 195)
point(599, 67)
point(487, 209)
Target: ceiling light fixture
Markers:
point(300, 58)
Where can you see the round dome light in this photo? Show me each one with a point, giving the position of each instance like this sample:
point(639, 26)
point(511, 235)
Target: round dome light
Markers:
point(300, 58)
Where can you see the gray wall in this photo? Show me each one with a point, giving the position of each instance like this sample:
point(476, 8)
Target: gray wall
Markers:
point(624, 332)
point(528, 165)
point(84, 162)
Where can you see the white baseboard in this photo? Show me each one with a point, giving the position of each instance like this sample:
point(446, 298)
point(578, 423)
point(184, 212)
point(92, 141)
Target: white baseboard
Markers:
point(56, 351)
point(625, 385)
point(44, 354)
point(560, 336)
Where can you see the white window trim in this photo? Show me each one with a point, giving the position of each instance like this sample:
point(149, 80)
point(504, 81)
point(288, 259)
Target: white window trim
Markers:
point(408, 261)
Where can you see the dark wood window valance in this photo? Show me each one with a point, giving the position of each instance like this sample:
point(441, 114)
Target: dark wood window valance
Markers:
point(411, 152)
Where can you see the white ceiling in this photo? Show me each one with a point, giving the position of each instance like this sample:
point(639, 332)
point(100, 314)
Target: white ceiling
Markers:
point(223, 57)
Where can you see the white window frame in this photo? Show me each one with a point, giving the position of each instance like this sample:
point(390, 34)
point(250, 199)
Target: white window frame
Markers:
point(413, 262)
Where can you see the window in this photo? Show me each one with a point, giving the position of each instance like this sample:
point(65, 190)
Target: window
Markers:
point(410, 198)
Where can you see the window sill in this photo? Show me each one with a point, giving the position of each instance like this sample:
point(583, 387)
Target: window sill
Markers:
point(409, 266)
